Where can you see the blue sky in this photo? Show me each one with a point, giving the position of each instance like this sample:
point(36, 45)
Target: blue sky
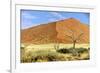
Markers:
point(31, 18)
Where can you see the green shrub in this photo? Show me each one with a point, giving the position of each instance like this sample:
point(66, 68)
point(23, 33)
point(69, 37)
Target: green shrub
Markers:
point(81, 50)
point(72, 51)
point(64, 50)
point(22, 47)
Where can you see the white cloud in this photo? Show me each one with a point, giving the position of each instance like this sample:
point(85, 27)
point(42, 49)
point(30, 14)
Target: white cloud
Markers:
point(28, 16)
point(58, 15)
point(51, 19)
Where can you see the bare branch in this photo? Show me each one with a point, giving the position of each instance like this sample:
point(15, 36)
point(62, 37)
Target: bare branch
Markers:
point(70, 37)
point(72, 32)
point(79, 36)
point(79, 40)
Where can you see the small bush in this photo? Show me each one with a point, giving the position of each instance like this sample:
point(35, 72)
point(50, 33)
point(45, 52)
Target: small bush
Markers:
point(81, 50)
point(50, 56)
point(72, 51)
point(54, 56)
point(22, 47)
point(64, 50)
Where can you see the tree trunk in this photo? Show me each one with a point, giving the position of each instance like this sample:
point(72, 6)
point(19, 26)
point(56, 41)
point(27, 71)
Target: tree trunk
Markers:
point(74, 51)
point(74, 43)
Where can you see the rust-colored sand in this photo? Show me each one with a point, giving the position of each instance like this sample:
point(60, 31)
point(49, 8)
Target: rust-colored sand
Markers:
point(56, 32)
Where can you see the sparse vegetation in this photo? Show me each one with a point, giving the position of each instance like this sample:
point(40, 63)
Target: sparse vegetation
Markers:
point(42, 56)
point(51, 54)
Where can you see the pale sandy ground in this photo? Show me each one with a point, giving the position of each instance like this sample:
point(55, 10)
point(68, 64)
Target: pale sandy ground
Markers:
point(49, 46)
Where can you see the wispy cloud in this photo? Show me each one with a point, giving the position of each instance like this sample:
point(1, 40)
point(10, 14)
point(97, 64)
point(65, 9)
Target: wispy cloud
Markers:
point(51, 19)
point(32, 18)
point(58, 15)
point(28, 16)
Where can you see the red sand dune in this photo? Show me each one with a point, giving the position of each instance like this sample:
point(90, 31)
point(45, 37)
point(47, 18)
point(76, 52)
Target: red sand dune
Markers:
point(56, 32)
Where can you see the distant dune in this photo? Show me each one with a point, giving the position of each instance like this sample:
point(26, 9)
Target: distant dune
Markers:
point(56, 32)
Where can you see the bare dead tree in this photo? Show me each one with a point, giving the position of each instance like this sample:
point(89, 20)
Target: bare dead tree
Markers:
point(74, 37)
point(56, 45)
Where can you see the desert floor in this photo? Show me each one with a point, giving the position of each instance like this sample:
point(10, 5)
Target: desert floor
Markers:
point(53, 52)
